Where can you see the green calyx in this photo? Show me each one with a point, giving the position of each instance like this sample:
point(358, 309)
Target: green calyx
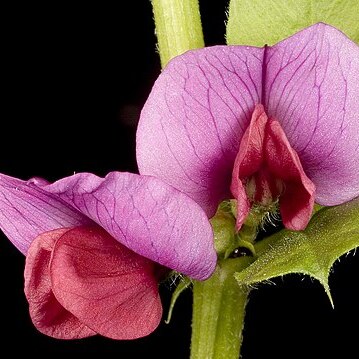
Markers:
point(223, 224)
point(227, 240)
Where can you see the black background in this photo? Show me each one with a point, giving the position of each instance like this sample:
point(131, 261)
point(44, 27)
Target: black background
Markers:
point(74, 79)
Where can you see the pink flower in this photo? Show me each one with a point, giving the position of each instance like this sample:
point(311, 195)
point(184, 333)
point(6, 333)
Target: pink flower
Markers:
point(260, 125)
point(96, 249)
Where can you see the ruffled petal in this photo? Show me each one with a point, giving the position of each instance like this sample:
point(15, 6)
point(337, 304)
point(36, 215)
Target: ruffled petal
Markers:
point(194, 118)
point(111, 289)
point(248, 161)
point(311, 88)
point(297, 200)
point(26, 211)
point(46, 313)
point(267, 167)
point(147, 216)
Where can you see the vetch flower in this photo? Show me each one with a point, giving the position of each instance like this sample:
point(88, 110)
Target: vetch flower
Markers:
point(96, 249)
point(264, 125)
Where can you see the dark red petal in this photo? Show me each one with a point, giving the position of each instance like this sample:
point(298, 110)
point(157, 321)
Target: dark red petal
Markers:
point(107, 286)
point(248, 161)
point(47, 314)
point(243, 206)
point(297, 201)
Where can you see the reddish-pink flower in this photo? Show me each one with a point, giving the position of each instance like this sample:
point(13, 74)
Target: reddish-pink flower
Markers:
point(96, 249)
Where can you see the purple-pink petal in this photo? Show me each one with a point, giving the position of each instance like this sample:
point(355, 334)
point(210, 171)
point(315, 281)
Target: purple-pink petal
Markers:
point(26, 211)
point(147, 216)
point(192, 122)
point(312, 89)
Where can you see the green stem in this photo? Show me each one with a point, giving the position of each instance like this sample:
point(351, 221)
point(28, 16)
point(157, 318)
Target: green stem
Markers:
point(178, 27)
point(218, 313)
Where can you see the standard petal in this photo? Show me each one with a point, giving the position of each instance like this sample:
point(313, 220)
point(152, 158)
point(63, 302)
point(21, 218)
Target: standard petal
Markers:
point(111, 289)
point(193, 120)
point(27, 211)
point(147, 216)
point(46, 313)
point(311, 88)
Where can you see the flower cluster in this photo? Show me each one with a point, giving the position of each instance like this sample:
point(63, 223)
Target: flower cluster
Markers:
point(272, 127)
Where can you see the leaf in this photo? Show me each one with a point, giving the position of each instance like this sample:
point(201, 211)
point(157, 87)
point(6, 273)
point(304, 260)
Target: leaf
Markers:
point(332, 232)
point(260, 22)
point(183, 285)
